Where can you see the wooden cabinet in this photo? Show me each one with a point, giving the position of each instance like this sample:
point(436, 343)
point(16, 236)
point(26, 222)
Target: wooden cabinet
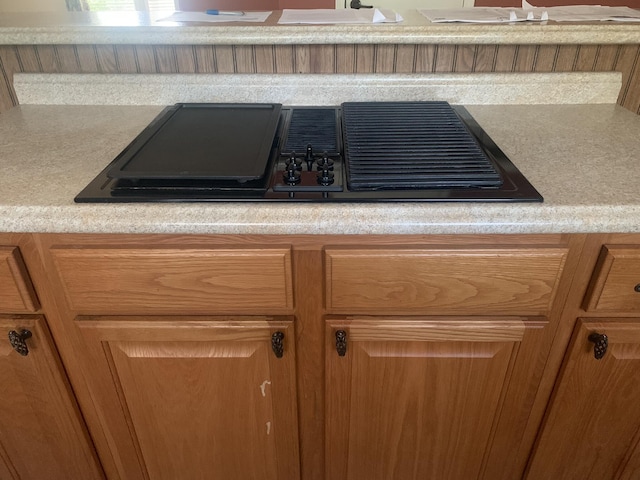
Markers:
point(42, 434)
point(188, 353)
point(440, 378)
point(592, 427)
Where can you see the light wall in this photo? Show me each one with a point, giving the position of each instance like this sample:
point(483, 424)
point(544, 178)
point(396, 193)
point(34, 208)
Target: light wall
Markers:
point(33, 6)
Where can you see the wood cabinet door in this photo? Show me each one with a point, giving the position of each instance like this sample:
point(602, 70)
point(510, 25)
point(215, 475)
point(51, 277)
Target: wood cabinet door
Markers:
point(417, 399)
point(41, 431)
point(592, 430)
point(197, 399)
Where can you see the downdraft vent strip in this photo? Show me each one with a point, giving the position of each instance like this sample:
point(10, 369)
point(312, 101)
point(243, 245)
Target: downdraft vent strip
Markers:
point(412, 145)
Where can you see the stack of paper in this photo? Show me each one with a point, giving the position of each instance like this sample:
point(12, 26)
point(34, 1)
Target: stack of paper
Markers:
point(349, 15)
point(571, 13)
point(205, 18)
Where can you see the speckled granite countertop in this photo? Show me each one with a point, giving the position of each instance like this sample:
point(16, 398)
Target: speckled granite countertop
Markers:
point(138, 28)
point(582, 158)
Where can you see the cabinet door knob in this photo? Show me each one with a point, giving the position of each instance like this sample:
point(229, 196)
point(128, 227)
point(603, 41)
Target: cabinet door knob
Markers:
point(276, 344)
point(18, 341)
point(341, 343)
point(601, 342)
point(637, 288)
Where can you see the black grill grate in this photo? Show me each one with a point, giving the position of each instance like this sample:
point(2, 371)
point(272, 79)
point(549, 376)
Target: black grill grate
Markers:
point(312, 126)
point(412, 145)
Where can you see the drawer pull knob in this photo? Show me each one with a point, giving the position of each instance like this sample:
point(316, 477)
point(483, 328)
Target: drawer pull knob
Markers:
point(637, 288)
point(18, 341)
point(601, 342)
point(277, 344)
point(341, 343)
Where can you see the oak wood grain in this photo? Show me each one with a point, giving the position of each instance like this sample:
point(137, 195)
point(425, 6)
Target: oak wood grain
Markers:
point(615, 279)
point(42, 431)
point(203, 398)
point(594, 418)
point(17, 294)
point(123, 280)
point(518, 280)
point(417, 398)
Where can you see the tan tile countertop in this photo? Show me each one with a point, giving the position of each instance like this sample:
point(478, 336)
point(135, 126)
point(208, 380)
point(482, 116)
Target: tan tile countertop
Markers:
point(139, 28)
point(582, 158)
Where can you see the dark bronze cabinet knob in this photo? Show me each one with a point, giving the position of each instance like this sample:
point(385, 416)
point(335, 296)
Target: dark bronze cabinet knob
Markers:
point(18, 341)
point(341, 343)
point(600, 344)
point(276, 344)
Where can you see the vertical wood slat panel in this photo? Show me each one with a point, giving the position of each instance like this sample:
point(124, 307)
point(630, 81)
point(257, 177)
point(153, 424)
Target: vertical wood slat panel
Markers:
point(67, 56)
point(346, 59)
point(185, 58)
point(365, 58)
point(126, 59)
point(87, 58)
point(505, 58)
point(525, 58)
point(145, 59)
point(466, 58)
point(165, 59)
point(225, 59)
point(445, 58)
point(244, 59)
point(9, 64)
point(627, 62)
point(323, 59)
point(107, 60)
point(284, 61)
point(265, 58)
point(46, 55)
point(406, 58)
point(205, 59)
point(485, 58)
point(385, 59)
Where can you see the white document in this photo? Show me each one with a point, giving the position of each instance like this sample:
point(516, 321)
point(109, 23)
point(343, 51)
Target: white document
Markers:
point(204, 18)
point(349, 15)
point(590, 13)
point(480, 15)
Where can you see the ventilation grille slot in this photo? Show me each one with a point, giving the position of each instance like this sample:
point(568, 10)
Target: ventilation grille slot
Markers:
point(412, 145)
point(312, 126)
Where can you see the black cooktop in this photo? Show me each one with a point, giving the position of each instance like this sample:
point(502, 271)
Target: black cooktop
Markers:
point(360, 151)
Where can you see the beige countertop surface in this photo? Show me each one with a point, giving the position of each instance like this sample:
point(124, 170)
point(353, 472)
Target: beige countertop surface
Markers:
point(139, 28)
point(582, 158)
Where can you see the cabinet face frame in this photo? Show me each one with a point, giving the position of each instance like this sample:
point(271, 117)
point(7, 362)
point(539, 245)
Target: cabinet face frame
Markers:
point(128, 357)
point(43, 434)
point(592, 429)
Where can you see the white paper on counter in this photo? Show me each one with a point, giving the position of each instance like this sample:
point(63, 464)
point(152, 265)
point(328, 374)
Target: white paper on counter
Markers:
point(349, 15)
point(590, 13)
point(479, 15)
point(204, 18)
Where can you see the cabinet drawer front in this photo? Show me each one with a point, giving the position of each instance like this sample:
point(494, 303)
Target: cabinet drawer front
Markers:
point(507, 280)
point(16, 290)
point(615, 284)
point(175, 280)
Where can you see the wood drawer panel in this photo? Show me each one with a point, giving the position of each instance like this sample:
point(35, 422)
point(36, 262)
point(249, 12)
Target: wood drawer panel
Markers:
point(16, 290)
point(179, 280)
point(444, 281)
point(615, 278)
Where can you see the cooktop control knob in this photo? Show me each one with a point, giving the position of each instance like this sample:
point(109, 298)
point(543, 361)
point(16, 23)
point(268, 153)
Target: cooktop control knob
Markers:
point(325, 177)
point(292, 175)
point(292, 160)
point(308, 157)
point(325, 163)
